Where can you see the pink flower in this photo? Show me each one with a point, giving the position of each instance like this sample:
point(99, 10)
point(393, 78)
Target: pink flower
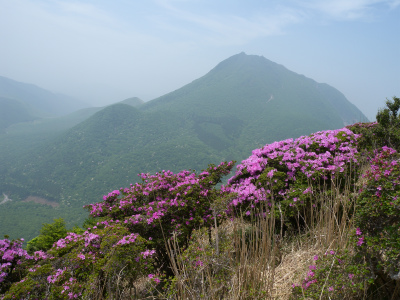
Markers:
point(157, 280)
point(271, 173)
point(199, 263)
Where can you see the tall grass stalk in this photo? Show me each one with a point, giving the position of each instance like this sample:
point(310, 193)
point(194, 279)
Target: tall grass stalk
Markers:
point(257, 258)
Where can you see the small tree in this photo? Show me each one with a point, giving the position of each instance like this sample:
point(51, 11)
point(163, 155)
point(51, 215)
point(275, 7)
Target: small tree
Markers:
point(49, 234)
point(389, 123)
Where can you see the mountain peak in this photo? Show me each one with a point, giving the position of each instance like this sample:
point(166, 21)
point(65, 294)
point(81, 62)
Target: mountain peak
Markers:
point(243, 62)
point(246, 83)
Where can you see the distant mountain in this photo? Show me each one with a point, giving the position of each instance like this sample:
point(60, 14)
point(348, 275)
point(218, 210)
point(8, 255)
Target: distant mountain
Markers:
point(20, 132)
point(41, 102)
point(260, 100)
point(13, 111)
point(134, 101)
point(243, 103)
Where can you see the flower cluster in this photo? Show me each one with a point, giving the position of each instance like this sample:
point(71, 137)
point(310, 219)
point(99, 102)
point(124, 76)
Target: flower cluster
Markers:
point(11, 257)
point(83, 258)
point(166, 203)
point(284, 170)
point(54, 278)
point(127, 239)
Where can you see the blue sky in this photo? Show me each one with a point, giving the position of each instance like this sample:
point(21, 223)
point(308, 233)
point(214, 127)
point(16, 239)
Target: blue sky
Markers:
point(105, 51)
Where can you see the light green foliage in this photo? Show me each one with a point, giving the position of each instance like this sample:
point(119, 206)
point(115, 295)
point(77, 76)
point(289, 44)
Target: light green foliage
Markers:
point(384, 132)
point(389, 123)
point(49, 234)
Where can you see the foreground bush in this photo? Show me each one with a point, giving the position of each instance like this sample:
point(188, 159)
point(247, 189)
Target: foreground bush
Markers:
point(291, 172)
point(128, 242)
point(378, 220)
point(87, 265)
point(11, 258)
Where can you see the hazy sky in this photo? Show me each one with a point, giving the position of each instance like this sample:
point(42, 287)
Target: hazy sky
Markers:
point(105, 51)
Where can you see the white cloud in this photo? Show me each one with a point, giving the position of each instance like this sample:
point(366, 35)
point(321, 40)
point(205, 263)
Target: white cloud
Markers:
point(225, 28)
point(84, 9)
point(393, 4)
point(347, 9)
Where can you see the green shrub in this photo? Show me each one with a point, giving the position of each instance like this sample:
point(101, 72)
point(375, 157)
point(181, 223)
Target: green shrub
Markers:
point(335, 275)
point(378, 217)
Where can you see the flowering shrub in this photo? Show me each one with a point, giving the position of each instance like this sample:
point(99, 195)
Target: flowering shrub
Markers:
point(334, 275)
point(84, 265)
point(128, 240)
point(164, 204)
point(11, 258)
point(15, 262)
point(378, 214)
point(374, 264)
point(289, 172)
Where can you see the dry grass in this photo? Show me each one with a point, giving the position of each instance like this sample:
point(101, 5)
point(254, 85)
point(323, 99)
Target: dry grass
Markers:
point(257, 259)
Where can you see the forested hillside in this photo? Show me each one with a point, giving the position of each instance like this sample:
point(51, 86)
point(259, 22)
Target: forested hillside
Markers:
point(241, 104)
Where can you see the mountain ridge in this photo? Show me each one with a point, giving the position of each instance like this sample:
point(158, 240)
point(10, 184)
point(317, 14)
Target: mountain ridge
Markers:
point(42, 102)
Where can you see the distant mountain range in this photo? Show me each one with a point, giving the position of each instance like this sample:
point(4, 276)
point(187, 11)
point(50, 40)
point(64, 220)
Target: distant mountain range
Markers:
point(243, 103)
point(41, 102)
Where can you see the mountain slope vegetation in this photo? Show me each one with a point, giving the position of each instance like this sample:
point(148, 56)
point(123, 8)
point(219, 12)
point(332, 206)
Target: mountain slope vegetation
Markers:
point(241, 104)
point(309, 218)
point(13, 111)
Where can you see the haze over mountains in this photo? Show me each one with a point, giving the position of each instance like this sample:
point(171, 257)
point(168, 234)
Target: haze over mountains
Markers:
point(40, 101)
point(57, 165)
